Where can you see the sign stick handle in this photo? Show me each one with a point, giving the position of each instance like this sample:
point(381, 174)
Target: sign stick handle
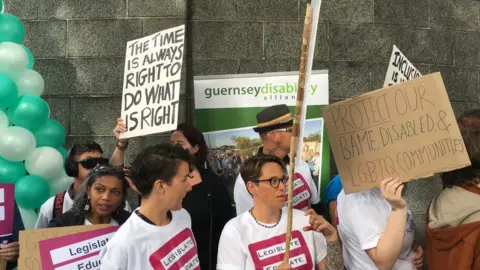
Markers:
point(296, 124)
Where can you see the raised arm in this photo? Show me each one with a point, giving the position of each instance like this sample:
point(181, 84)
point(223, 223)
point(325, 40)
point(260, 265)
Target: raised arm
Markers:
point(385, 254)
point(118, 156)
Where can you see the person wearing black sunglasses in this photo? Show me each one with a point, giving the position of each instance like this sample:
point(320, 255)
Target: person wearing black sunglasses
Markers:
point(100, 200)
point(81, 158)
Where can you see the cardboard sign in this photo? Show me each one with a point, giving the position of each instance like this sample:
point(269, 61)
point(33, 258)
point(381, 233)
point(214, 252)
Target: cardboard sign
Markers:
point(75, 251)
point(29, 239)
point(151, 84)
point(407, 129)
point(399, 69)
point(269, 253)
point(7, 203)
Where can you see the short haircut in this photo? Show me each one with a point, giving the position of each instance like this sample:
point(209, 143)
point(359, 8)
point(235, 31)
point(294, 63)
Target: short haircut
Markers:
point(252, 167)
point(158, 162)
point(195, 137)
point(469, 125)
point(89, 146)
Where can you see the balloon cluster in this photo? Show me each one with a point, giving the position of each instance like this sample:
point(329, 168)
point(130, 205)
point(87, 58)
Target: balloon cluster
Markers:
point(31, 152)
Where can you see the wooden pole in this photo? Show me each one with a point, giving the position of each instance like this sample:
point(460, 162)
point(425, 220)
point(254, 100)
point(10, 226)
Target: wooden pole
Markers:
point(296, 124)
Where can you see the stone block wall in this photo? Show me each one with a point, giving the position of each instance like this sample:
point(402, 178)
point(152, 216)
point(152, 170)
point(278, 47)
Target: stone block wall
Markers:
point(79, 47)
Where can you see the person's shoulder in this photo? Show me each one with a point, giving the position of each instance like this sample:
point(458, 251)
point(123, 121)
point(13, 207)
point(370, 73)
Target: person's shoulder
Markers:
point(335, 182)
point(301, 164)
point(69, 218)
point(182, 215)
point(123, 216)
point(124, 232)
point(48, 204)
point(234, 224)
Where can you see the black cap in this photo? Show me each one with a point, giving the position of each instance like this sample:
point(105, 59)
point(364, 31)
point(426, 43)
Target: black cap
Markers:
point(274, 117)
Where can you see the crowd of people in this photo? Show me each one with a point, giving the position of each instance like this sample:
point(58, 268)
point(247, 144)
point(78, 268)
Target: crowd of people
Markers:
point(185, 216)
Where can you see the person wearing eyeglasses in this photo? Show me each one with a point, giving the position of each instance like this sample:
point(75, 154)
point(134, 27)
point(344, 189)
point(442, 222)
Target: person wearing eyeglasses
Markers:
point(100, 200)
point(255, 239)
point(275, 125)
point(81, 158)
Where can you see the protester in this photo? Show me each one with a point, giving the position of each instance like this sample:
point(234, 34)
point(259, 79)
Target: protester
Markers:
point(255, 239)
point(333, 189)
point(453, 218)
point(11, 250)
point(377, 229)
point(208, 203)
point(101, 200)
point(275, 128)
point(156, 230)
point(81, 158)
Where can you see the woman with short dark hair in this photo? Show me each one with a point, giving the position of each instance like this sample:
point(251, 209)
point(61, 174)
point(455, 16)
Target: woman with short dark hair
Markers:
point(453, 218)
point(208, 203)
point(158, 234)
point(100, 200)
point(255, 239)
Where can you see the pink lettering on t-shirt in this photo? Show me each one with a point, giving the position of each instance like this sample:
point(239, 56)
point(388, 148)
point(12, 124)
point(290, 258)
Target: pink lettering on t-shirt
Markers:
point(268, 254)
point(180, 252)
point(301, 192)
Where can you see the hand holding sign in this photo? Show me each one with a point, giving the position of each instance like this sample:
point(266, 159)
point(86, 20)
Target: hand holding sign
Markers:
point(391, 189)
point(9, 252)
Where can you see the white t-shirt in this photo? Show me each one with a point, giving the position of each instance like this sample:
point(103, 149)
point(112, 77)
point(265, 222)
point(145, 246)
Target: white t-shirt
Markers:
point(244, 244)
point(46, 210)
point(363, 218)
point(304, 190)
point(140, 245)
point(113, 222)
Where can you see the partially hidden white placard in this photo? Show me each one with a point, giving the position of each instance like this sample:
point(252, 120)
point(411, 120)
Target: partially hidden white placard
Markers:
point(399, 69)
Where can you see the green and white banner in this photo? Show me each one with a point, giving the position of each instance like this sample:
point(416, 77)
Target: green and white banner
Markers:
point(226, 107)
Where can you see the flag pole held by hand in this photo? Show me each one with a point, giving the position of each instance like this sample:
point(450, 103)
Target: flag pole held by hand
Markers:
point(307, 29)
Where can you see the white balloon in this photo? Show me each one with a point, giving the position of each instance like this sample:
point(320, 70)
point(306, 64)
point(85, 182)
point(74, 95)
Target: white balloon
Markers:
point(46, 162)
point(13, 59)
point(30, 82)
point(29, 218)
point(4, 122)
point(16, 143)
point(60, 184)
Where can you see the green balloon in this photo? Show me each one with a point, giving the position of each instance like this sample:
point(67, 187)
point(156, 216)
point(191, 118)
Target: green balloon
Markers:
point(31, 192)
point(29, 111)
point(10, 172)
point(31, 60)
point(11, 29)
point(8, 91)
point(51, 133)
point(62, 151)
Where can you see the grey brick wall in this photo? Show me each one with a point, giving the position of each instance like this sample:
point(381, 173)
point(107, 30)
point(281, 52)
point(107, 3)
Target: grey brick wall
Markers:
point(79, 49)
point(354, 41)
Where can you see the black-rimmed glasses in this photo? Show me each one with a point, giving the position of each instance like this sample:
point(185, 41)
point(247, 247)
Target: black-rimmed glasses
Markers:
point(274, 181)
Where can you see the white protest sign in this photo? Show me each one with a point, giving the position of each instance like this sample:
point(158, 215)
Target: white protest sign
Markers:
point(151, 84)
point(399, 69)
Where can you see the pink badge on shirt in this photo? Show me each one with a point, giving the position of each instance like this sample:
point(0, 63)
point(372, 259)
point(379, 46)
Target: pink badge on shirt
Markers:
point(180, 252)
point(301, 192)
point(268, 254)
